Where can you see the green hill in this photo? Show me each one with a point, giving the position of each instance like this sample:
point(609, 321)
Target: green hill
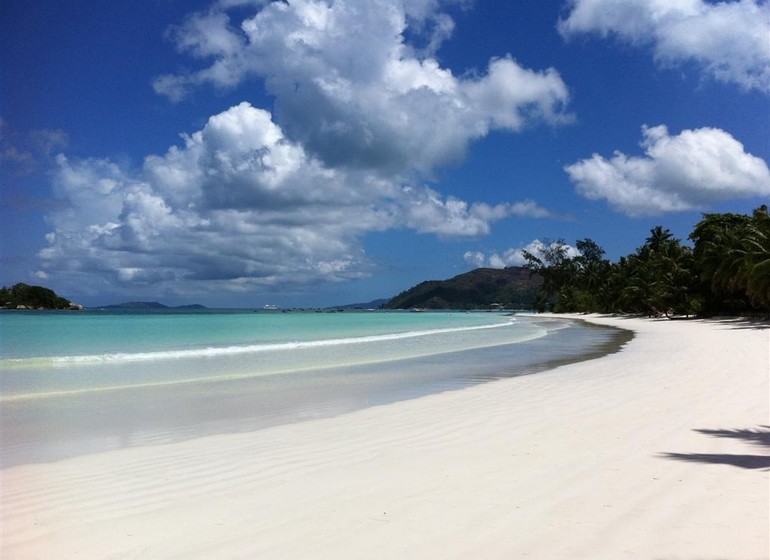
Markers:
point(483, 288)
point(24, 296)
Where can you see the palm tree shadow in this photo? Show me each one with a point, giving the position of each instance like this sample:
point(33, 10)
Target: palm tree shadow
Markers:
point(759, 437)
point(742, 461)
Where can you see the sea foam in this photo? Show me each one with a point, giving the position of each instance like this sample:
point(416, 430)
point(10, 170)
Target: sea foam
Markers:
point(257, 348)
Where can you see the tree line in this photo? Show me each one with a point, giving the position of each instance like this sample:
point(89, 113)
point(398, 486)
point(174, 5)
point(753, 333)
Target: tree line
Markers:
point(725, 271)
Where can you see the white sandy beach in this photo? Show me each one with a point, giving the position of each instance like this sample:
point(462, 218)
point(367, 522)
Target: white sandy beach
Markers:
point(654, 452)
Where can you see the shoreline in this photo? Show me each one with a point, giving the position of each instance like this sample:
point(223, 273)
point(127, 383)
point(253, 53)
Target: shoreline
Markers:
point(166, 411)
point(657, 451)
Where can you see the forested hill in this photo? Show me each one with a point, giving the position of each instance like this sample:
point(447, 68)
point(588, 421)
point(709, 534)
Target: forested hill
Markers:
point(511, 288)
point(24, 296)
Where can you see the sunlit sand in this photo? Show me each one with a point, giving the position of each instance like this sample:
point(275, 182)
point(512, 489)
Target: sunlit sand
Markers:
point(658, 451)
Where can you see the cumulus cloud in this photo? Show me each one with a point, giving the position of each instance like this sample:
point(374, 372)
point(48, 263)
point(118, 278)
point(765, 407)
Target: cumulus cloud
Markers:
point(688, 171)
point(237, 205)
point(513, 256)
point(425, 211)
point(350, 87)
point(363, 116)
point(530, 209)
point(728, 39)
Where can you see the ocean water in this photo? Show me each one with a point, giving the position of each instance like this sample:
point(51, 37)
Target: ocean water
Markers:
point(80, 382)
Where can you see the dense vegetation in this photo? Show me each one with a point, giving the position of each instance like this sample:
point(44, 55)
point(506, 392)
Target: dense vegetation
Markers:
point(726, 271)
point(23, 296)
point(511, 288)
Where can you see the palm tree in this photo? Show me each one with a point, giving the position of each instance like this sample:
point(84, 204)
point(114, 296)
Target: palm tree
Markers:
point(658, 238)
point(732, 253)
point(661, 279)
point(635, 280)
point(757, 247)
point(728, 269)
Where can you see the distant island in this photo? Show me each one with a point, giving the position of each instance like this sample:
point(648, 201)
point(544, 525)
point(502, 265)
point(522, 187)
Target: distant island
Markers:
point(149, 305)
point(24, 296)
point(374, 304)
point(484, 288)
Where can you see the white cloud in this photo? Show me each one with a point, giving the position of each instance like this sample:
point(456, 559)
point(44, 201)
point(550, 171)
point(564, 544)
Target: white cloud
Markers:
point(238, 205)
point(425, 211)
point(529, 209)
point(513, 256)
point(728, 39)
point(688, 171)
point(353, 91)
point(476, 259)
point(248, 201)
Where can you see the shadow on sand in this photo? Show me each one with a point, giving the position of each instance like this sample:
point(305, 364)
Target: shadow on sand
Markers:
point(737, 322)
point(753, 323)
point(759, 438)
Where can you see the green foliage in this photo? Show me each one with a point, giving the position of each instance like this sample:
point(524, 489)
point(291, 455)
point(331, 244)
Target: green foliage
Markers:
point(571, 284)
point(554, 266)
point(732, 253)
point(31, 297)
point(727, 271)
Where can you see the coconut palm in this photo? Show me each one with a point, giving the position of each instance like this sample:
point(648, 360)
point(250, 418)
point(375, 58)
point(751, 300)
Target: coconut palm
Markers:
point(757, 266)
point(661, 279)
point(728, 269)
point(658, 238)
point(732, 253)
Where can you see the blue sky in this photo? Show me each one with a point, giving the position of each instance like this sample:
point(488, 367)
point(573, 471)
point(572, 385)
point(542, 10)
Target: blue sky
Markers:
point(306, 153)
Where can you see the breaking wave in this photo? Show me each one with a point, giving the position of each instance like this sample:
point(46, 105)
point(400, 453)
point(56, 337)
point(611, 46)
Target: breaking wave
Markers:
point(212, 352)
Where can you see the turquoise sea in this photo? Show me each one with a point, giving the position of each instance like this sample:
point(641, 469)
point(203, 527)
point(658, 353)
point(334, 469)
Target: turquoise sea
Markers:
point(79, 382)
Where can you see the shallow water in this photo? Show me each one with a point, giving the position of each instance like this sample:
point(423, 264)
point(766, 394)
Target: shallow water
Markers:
point(153, 378)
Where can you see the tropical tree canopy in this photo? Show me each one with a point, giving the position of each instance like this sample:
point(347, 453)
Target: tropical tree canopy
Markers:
point(727, 270)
